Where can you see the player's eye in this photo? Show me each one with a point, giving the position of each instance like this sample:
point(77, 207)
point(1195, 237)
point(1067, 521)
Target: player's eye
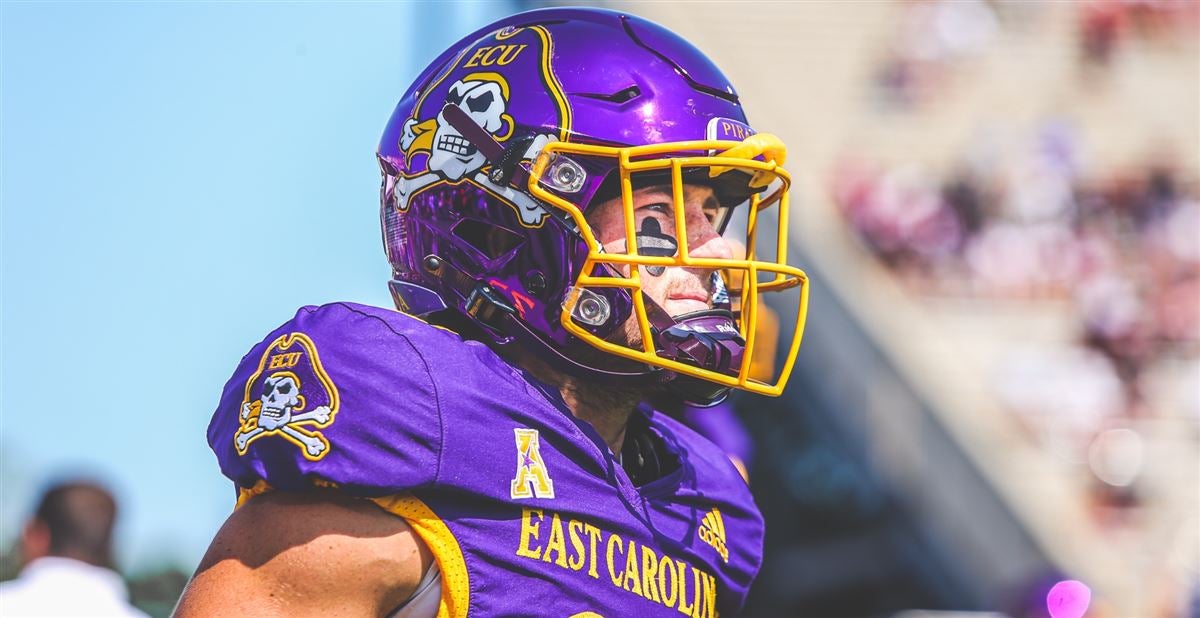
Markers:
point(657, 207)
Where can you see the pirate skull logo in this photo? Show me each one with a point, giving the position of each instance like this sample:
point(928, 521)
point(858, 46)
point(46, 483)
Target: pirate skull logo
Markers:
point(452, 155)
point(278, 411)
point(484, 97)
point(280, 396)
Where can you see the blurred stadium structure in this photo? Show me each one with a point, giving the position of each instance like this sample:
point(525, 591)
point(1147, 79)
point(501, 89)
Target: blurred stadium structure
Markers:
point(1000, 386)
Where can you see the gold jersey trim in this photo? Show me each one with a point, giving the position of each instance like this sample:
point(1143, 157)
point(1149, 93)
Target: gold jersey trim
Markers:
point(456, 588)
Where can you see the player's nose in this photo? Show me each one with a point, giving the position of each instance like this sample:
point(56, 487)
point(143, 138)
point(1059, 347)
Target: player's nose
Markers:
point(709, 244)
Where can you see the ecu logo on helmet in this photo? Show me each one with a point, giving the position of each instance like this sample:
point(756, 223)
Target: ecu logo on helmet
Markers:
point(482, 82)
point(484, 97)
point(288, 396)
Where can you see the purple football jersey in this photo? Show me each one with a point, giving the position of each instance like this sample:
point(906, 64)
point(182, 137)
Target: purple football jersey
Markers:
point(524, 506)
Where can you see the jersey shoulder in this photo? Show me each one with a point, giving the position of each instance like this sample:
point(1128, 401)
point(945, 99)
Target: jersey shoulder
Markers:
point(341, 395)
point(713, 470)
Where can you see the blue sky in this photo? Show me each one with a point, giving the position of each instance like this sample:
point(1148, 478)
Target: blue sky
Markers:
point(175, 180)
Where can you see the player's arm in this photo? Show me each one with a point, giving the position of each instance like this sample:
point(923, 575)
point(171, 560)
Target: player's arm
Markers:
point(303, 555)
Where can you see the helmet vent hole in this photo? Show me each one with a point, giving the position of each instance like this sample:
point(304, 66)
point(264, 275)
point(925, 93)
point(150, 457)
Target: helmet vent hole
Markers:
point(627, 94)
point(621, 96)
point(489, 239)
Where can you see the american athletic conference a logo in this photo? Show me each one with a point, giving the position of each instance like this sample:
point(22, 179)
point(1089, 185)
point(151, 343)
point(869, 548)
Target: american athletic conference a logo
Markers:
point(289, 395)
point(712, 531)
point(532, 478)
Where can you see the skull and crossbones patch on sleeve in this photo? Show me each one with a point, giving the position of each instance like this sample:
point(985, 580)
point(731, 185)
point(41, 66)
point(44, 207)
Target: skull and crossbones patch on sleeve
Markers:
point(289, 397)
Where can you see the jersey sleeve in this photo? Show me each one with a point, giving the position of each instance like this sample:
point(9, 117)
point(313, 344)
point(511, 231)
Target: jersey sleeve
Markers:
point(338, 396)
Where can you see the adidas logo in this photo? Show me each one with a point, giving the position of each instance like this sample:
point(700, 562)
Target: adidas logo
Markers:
point(712, 531)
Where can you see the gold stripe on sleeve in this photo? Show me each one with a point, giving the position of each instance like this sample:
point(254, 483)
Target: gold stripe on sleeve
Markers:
point(456, 591)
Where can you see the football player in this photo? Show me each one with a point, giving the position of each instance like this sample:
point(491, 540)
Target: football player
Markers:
point(558, 193)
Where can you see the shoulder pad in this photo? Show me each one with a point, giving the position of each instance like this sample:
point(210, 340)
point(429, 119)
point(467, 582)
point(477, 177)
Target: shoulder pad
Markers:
point(338, 396)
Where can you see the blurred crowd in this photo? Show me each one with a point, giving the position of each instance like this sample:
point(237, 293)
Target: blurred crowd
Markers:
point(1024, 219)
point(1106, 26)
point(932, 37)
point(1124, 247)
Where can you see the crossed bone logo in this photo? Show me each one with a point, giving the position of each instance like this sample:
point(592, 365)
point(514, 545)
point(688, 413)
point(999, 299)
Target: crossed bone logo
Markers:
point(281, 407)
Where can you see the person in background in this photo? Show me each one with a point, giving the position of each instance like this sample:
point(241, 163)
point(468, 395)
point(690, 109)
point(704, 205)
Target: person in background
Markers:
point(66, 547)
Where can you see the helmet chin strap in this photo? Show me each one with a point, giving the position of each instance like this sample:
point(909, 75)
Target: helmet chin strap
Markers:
point(488, 307)
point(693, 336)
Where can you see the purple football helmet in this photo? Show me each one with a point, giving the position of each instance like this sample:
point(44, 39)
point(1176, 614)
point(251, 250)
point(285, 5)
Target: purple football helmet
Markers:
point(497, 154)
